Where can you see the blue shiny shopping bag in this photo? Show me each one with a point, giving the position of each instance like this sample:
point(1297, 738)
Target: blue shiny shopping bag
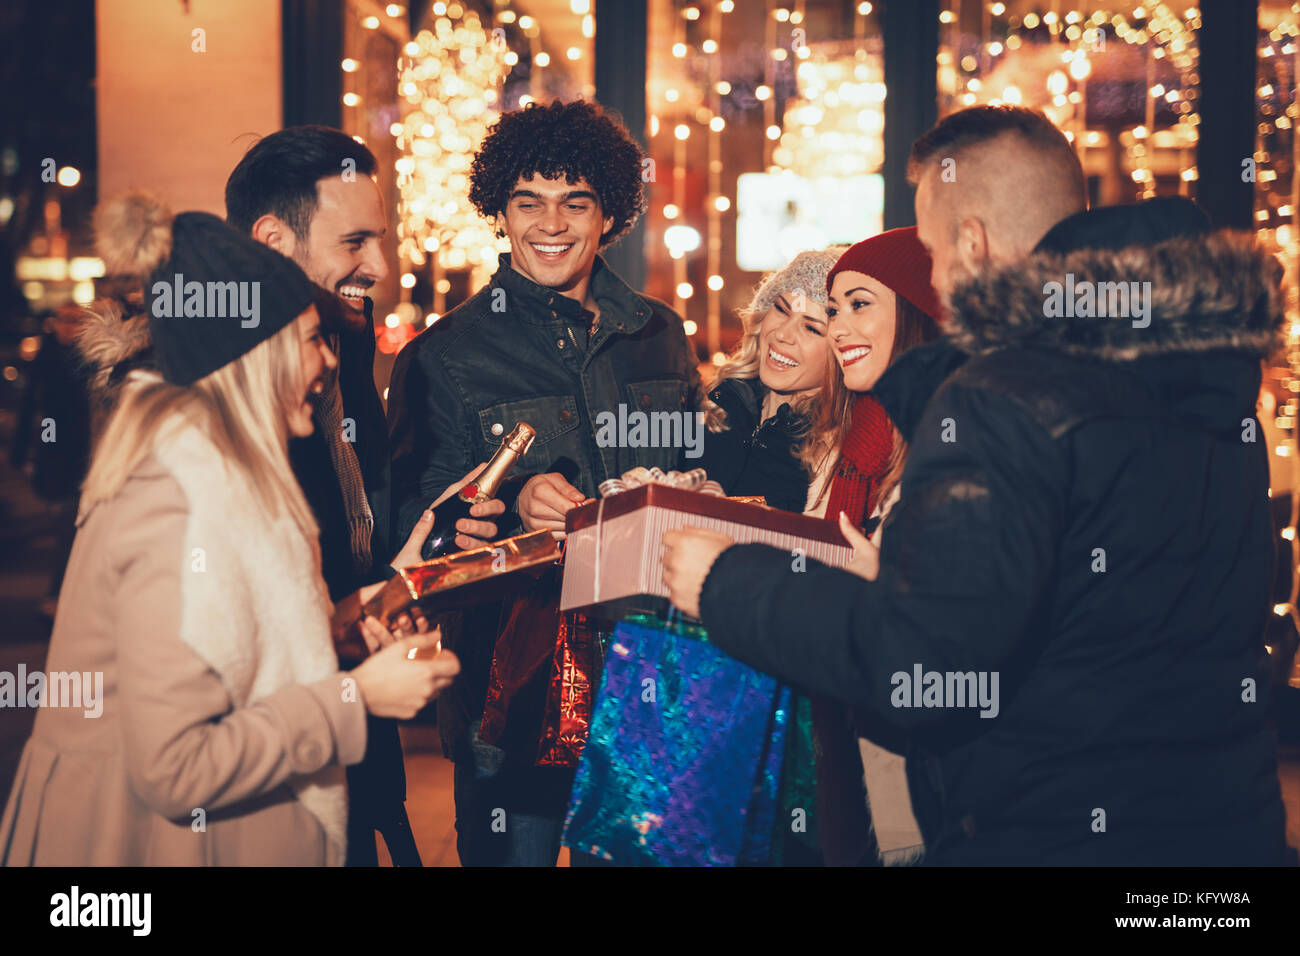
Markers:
point(682, 766)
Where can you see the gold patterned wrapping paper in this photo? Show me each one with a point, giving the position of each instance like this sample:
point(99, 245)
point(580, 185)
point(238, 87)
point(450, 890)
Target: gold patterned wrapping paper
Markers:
point(467, 577)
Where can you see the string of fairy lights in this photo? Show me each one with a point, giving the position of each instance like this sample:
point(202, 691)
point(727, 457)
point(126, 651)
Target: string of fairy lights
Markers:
point(448, 79)
point(835, 118)
point(1046, 61)
point(451, 82)
point(1277, 199)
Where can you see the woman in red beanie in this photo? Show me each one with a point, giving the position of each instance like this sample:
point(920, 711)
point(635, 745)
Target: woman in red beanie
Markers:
point(880, 304)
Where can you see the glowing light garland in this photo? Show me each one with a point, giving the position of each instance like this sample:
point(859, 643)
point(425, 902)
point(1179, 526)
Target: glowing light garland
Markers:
point(835, 127)
point(1276, 201)
point(845, 93)
point(1011, 64)
point(448, 83)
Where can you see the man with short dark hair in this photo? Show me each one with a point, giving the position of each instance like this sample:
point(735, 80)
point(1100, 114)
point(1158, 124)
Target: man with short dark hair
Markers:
point(1068, 606)
point(309, 193)
point(993, 179)
point(555, 340)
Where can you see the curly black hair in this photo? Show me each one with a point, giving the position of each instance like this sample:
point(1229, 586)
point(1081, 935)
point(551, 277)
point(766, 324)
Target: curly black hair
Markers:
point(578, 140)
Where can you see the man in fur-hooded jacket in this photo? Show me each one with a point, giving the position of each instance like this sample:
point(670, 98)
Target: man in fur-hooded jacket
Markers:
point(1072, 590)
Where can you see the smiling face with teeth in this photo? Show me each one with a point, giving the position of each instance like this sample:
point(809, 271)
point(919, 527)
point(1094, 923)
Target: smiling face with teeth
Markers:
point(554, 229)
point(317, 361)
point(792, 346)
point(343, 250)
point(861, 319)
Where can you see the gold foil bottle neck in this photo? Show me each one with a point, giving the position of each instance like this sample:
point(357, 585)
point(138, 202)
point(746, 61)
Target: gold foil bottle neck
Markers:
point(515, 446)
point(521, 439)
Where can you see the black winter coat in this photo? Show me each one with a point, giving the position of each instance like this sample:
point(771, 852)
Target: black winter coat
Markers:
point(749, 458)
point(517, 351)
point(1084, 513)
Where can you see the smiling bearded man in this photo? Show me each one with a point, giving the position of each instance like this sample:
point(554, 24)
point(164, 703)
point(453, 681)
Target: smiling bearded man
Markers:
point(308, 193)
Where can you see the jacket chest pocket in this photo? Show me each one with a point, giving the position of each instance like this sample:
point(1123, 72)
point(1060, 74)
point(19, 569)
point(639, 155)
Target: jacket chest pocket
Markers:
point(557, 446)
point(671, 430)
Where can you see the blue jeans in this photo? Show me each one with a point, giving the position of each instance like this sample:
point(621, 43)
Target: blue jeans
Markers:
point(508, 814)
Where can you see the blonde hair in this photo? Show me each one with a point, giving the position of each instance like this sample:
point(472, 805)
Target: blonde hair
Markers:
point(807, 271)
point(242, 409)
point(820, 450)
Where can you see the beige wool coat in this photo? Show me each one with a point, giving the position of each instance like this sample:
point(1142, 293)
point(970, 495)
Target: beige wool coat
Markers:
point(225, 722)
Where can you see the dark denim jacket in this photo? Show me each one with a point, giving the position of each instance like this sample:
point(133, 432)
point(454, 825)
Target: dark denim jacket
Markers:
point(517, 351)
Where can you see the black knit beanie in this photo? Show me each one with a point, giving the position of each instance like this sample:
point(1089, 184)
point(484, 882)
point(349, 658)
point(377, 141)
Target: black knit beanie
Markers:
point(216, 296)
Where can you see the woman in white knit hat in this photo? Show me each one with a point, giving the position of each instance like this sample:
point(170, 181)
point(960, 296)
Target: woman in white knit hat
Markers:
point(758, 408)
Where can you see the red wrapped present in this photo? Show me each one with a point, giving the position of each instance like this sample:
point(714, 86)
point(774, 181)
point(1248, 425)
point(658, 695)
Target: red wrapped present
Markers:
point(545, 668)
point(519, 680)
point(575, 678)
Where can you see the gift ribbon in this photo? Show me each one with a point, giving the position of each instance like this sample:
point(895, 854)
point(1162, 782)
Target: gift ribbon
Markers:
point(600, 536)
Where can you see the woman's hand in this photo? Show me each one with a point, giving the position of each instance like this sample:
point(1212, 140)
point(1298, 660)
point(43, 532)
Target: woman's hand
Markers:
point(409, 622)
point(394, 684)
point(344, 618)
point(866, 556)
point(348, 643)
point(471, 532)
point(355, 636)
point(689, 554)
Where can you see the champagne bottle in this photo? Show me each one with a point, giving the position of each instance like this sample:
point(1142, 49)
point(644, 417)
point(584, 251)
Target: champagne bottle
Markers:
point(442, 539)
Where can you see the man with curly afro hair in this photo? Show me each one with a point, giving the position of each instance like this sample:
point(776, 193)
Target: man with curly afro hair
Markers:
point(559, 341)
point(575, 140)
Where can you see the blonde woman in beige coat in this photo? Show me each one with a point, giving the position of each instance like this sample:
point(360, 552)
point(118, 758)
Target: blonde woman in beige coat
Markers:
point(213, 724)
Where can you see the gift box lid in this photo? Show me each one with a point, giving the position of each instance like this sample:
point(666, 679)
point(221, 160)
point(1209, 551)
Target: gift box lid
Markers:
point(711, 506)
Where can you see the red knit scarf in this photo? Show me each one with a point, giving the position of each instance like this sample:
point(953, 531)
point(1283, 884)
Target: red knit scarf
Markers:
point(864, 459)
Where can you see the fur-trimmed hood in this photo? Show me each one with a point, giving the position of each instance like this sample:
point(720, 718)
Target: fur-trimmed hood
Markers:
point(132, 235)
point(113, 340)
point(1187, 290)
point(112, 331)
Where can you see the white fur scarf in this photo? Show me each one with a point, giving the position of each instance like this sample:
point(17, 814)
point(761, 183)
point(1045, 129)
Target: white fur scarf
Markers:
point(260, 614)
